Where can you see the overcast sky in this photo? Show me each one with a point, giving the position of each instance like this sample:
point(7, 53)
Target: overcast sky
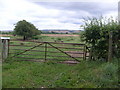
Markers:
point(53, 15)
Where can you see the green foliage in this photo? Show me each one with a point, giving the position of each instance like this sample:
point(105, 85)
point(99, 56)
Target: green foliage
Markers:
point(96, 34)
point(25, 29)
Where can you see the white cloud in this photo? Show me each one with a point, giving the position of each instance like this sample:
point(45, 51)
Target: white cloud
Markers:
point(15, 10)
point(42, 18)
point(12, 11)
point(73, 0)
point(111, 13)
point(57, 25)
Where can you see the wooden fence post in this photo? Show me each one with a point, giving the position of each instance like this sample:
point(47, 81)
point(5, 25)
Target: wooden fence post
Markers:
point(90, 55)
point(110, 47)
point(84, 53)
point(1, 50)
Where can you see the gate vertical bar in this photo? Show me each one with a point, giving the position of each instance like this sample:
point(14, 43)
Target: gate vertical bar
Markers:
point(8, 47)
point(45, 51)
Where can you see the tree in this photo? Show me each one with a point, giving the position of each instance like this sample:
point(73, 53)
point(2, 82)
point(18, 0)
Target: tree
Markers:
point(25, 29)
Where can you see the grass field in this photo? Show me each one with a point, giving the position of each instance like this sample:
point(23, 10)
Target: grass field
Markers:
point(90, 74)
point(86, 74)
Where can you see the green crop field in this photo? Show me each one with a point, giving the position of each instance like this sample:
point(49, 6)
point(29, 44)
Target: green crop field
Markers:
point(86, 74)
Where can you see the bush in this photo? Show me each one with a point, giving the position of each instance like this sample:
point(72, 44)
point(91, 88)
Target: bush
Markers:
point(96, 34)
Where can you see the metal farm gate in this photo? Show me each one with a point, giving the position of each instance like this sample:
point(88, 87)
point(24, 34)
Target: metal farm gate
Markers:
point(47, 51)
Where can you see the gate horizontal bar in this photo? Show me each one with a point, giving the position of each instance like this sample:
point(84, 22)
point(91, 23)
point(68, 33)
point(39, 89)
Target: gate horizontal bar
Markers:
point(47, 47)
point(64, 47)
point(48, 42)
point(62, 56)
point(52, 51)
point(21, 45)
point(29, 58)
point(61, 59)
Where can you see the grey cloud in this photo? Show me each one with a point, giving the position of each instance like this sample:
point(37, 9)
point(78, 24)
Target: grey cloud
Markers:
point(74, 12)
point(91, 7)
point(71, 20)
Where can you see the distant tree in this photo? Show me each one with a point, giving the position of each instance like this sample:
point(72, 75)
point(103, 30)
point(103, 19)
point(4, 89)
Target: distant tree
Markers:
point(26, 29)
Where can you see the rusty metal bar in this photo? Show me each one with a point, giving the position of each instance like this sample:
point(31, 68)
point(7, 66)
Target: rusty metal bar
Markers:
point(63, 52)
point(74, 52)
point(49, 55)
point(51, 51)
point(61, 56)
point(66, 52)
point(33, 60)
point(29, 58)
point(52, 42)
point(63, 43)
point(31, 54)
point(56, 56)
point(20, 45)
point(63, 47)
point(40, 58)
point(56, 59)
point(39, 50)
point(27, 50)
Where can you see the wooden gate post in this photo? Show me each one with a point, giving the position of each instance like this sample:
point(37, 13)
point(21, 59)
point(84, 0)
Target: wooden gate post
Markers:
point(0, 50)
point(110, 47)
point(4, 47)
point(119, 12)
point(90, 54)
point(84, 53)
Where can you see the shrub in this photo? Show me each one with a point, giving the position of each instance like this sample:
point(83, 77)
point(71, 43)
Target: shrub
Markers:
point(96, 34)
